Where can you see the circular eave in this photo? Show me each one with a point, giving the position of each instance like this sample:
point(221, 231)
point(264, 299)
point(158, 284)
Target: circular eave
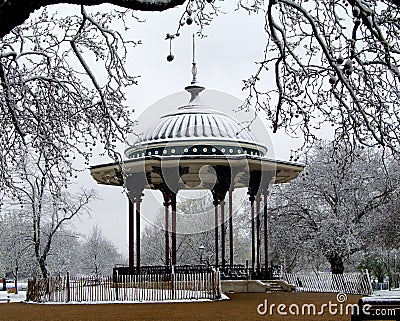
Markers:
point(241, 165)
point(195, 147)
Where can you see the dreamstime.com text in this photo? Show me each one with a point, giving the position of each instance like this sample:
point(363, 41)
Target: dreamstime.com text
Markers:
point(340, 307)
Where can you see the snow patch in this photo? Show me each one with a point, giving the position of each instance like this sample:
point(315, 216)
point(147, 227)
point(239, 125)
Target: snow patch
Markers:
point(392, 293)
point(20, 297)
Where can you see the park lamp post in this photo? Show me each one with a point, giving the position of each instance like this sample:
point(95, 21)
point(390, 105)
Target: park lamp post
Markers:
point(201, 249)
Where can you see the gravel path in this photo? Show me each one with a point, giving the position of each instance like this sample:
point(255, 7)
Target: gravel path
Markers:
point(242, 306)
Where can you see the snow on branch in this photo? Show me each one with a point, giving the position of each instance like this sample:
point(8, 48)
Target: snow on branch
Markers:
point(15, 12)
point(335, 64)
point(47, 105)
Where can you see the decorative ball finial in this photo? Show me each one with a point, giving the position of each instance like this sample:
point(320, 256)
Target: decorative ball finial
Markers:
point(189, 20)
point(169, 37)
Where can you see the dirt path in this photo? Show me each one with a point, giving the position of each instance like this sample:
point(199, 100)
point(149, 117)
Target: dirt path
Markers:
point(242, 306)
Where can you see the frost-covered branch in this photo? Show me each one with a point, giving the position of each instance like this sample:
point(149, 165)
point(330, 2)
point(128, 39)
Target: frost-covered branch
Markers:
point(335, 64)
point(337, 205)
point(15, 12)
point(47, 105)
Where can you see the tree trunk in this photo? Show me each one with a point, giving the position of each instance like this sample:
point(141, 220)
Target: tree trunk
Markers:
point(16, 279)
point(15, 12)
point(336, 262)
point(4, 285)
point(43, 267)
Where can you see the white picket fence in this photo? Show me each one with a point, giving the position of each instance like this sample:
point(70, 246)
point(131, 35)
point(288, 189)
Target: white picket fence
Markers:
point(350, 283)
point(154, 287)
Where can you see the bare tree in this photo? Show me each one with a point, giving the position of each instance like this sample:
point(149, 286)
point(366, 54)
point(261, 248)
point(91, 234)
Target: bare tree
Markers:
point(376, 261)
point(65, 254)
point(44, 200)
point(14, 244)
point(46, 104)
point(333, 63)
point(98, 255)
point(48, 215)
point(330, 210)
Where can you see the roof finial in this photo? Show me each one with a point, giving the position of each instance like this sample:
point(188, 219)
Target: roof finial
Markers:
point(194, 66)
point(194, 89)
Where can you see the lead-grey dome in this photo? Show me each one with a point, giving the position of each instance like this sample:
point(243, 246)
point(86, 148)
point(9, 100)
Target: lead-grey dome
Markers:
point(195, 129)
point(194, 124)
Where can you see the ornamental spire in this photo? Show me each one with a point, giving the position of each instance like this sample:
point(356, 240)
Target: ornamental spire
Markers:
point(195, 100)
point(194, 88)
point(194, 66)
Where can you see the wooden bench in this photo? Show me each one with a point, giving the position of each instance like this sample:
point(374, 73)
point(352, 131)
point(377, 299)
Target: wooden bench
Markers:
point(377, 308)
point(7, 299)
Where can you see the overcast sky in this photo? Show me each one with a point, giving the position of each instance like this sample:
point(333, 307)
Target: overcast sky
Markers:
point(225, 58)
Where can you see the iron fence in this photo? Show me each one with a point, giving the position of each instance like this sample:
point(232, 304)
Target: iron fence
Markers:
point(137, 287)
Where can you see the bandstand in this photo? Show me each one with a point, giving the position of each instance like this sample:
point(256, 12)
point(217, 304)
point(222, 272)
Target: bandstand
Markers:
point(198, 147)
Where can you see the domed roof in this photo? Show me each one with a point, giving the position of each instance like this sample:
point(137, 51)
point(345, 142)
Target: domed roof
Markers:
point(196, 123)
point(195, 129)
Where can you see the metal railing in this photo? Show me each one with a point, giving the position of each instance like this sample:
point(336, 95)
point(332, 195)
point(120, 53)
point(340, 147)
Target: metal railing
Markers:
point(231, 272)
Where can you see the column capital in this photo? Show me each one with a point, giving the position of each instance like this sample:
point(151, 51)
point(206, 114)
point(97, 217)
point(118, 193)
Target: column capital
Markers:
point(135, 184)
point(252, 196)
point(218, 194)
point(254, 185)
point(223, 184)
point(266, 192)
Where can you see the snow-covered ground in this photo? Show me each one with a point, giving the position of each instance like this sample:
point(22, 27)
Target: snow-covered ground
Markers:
point(21, 296)
point(391, 293)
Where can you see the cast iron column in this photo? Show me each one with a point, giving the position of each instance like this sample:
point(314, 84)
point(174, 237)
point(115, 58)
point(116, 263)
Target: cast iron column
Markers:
point(138, 200)
point(216, 231)
point(166, 207)
point(253, 249)
point(134, 183)
point(265, 214)
point(230, 229)
point(223, 234)
point(258, 233)
point(254, 185)
point(173, 236)
point(219, 191)
point(131, 228)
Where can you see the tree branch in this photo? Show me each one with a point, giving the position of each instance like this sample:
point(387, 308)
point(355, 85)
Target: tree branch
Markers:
point(15, 12)
point(10, 104)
